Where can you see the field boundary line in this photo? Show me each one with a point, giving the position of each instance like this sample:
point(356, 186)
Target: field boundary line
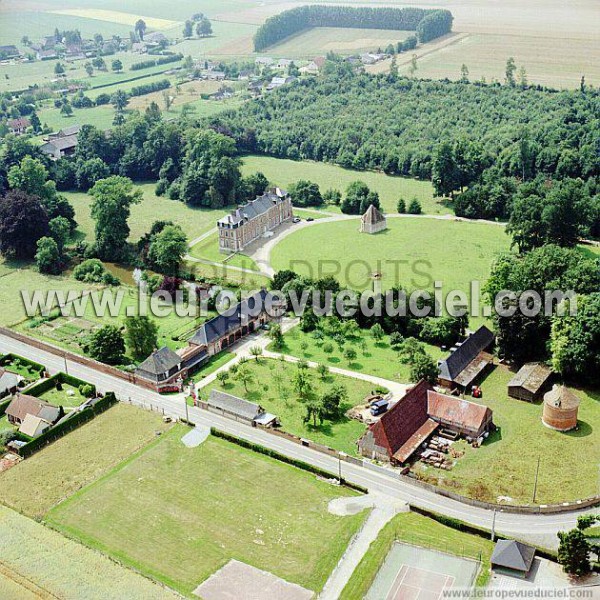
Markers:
point(23, 581)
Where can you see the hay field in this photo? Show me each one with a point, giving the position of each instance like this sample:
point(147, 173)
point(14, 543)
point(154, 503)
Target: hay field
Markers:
point(115, 16)
point(40, 563)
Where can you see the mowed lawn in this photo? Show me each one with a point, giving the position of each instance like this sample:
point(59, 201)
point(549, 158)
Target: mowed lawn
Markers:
point(272, 387)
point(284, 172)
point(179, 514)
point(341, 40)
point(208, 249)
point(505, 465)
point(193, 221)
point(373, 358)
point(53, 474)
point(40, 563)
point(412, 252)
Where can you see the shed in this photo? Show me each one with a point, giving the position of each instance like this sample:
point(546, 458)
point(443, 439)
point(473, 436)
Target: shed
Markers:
point(234, 407)
point(513, 557)
point(9, 382)
point(530, 382)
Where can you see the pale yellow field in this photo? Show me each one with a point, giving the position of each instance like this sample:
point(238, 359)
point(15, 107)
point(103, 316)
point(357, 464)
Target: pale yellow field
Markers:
point(115, 16)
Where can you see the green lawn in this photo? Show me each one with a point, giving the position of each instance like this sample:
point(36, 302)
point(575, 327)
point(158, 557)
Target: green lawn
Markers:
point(341, 40)
point(213, 363)
point(4, 424)
point(193, 221)
point(68, 397)
point(505, 465)
point(228, 276)
point(179, 514)
point(374, 358)
point(416, 529)
point(412, 252)
point(35, 485)
point(284, 172)
point(272, 388)
point(208, 249)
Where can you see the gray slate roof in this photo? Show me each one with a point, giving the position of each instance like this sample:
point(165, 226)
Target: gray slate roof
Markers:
point(160, 361)
point(233, 404)
point(254, 208)
point(221, 325)
point(513, 555)
point(465, 353)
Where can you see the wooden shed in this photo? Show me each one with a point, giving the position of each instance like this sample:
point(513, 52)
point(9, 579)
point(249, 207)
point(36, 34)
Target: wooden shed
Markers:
point(531, 382)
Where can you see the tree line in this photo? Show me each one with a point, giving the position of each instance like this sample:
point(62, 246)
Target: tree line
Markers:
point(428, 24)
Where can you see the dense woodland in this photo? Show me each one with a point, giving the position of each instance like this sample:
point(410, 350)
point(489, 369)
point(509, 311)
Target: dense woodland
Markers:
point(429, 24)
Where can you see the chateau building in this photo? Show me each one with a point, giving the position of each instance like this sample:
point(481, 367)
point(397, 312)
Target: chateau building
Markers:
point(247, 223)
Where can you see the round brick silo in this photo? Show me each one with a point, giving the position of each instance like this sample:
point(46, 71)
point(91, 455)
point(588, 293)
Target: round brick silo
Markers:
point(560, 409)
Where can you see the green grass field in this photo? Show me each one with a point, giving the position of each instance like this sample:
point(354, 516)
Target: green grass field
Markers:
point(220, 272)
point(272, 388)
point(374, 358)
point(208, 249)
point(321, 40)
point(416, 529)
point(193, 221)
point(35, 485)
point(505, 465)
point(205, 506)
point(27, 279)
point(412, 252)
point(284, 172)
point(68, 397)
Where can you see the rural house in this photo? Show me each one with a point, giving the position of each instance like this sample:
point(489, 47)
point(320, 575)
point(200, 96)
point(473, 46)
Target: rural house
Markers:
point(58, 147)
point(414, 418)
point(9, 52)
point(23, 405)
point(468, 361)
point(253, 220)
point(373, 221)
point(238, 409)
point(34, 426)
point(18, 126)
point(531, 382)
point(9, 382)
point(161, 368)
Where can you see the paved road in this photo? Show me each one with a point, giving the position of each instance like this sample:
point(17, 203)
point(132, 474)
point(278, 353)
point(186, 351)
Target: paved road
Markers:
point(539, 528)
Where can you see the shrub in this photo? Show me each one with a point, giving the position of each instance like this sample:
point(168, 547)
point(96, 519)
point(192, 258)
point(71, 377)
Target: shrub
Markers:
point(93, 271)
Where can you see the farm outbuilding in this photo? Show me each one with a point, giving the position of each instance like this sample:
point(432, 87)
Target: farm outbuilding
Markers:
point(561, 407)
point(531, 382)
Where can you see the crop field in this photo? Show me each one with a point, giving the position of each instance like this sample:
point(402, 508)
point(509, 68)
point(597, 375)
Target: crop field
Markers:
point(203, 506)
point(486, 55)
point(271, 387)
point(321, 40)
point(284, 172)
point(115, 16)
point(505, 465)
point(35, 485)
point(193, 221)
point(40, 563)
point(412, 252)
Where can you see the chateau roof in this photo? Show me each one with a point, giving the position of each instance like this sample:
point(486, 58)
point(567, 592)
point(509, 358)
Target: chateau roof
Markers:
point(255, 208)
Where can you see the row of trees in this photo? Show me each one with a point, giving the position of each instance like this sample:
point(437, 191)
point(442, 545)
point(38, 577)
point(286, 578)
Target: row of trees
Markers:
point(428, 23)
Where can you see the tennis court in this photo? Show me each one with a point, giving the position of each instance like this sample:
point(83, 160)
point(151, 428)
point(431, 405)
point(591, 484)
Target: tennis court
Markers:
point(414, 573)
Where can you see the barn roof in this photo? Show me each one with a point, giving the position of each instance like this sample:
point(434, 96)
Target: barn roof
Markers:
point(531, 377)
point(462, 413)
point(398, 425)
point(513, 555)
point(466, 353)
point(233, 404)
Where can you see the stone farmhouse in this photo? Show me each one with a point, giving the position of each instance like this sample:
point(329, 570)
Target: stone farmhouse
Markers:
point(166, 369)
point(251, 221)
point(414, 419)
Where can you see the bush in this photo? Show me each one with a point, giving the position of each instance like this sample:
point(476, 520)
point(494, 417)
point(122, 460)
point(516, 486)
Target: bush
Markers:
point(93, 271)
point(102, 99)
point(148, 88)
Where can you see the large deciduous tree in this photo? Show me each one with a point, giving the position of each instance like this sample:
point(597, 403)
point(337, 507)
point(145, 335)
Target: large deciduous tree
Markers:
point(111, 207)
point(141, 334)
point(167, 249)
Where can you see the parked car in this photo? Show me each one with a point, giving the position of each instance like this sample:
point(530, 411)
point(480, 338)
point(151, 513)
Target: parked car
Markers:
point(310, 219)
point(296, 220)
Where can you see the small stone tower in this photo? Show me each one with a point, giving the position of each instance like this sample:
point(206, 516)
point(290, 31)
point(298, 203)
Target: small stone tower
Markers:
point(560, 409)
point(373, 221)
